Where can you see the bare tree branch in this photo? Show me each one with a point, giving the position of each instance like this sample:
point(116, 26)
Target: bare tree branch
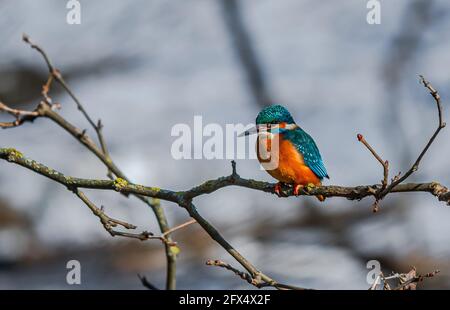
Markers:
point(410, 280)
point(46, 107)
point(184, 199)
point(173, 229)
point(376, 282)
point(398, 179)
point(441, 125)
point(208, 187)
point(146, 283)
point(56, 74)
point(108, 223)
point(255, 281)
point(404, 281)
point(383, 163)
point(22, 116)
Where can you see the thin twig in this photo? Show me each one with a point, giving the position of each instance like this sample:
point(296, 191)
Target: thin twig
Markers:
point(57, 76)
point(108, 223)
point(173, 229)
point(253, 280)
point(386, 286)
point(383, 163)
point(20, 115)
point(405, 281)
point(441, 125)
point(375, 283)
point(146, 283)
point(101, 153)
point(398, 179)
point(243, 275)
point(409, 281)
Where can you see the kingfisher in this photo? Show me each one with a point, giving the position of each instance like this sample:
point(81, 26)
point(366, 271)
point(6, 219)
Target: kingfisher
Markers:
point(297, 160)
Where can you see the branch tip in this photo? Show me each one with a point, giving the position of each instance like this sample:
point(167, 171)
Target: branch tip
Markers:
point(26, 38)
point(233, 167)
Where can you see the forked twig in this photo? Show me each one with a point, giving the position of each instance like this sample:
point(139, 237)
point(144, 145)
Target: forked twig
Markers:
point(398, 179)
point(441, 125)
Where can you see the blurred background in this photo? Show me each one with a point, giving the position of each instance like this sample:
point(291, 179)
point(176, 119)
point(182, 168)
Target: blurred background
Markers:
point(144, 66)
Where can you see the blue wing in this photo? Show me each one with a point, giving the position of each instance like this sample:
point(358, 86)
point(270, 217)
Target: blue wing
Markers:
point(308, 148)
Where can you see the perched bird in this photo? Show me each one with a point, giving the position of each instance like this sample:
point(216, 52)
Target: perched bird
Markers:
point(298, 160)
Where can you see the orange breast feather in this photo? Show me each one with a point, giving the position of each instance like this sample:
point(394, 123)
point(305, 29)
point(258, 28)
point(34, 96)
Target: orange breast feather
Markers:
point(291, 167)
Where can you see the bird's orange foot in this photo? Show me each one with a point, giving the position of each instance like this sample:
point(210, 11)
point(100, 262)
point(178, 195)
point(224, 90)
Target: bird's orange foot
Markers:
point(277, 189)
point(297, 188)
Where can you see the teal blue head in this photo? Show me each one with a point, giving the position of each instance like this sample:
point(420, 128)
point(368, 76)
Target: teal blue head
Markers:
point(275, 114)
point(276, 117)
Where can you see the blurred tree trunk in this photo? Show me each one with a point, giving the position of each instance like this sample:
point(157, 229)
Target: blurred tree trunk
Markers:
point(245, 52)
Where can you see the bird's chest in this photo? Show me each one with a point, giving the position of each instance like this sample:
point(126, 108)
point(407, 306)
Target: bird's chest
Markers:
point(285, 161)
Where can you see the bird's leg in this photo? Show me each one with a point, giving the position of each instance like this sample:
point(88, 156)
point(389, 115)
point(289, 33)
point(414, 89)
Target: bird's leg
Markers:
point(297, 188)
point(277, 189)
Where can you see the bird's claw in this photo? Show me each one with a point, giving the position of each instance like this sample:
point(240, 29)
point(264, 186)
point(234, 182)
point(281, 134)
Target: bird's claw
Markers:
point(277, 189)
point(297, 188)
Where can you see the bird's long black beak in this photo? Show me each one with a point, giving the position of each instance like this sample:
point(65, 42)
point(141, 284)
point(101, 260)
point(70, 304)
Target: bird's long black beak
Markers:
point(249, 131)
point(262, 128)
